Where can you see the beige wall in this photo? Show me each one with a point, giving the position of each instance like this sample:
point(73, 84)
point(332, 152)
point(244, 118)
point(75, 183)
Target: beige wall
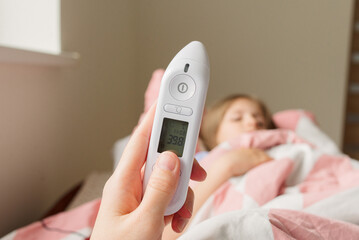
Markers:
point(58, 124)
point(292, 54)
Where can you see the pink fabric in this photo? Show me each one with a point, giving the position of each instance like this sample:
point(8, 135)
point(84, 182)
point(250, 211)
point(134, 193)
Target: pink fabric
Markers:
point(263, 139)
point(63, 223)
point(313, 175)
point(264, 183)
point(227, 199)
point(330, 174)
point(288, 224)
point(288, 119)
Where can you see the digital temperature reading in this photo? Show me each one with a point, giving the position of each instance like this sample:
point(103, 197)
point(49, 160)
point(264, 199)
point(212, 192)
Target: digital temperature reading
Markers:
point(173, 136)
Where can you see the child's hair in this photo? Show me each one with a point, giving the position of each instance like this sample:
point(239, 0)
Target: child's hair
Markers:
point(213, 117)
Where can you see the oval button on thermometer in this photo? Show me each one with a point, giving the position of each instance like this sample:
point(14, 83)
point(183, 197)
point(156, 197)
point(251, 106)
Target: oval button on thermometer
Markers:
point(182, 87)
point(179, 115)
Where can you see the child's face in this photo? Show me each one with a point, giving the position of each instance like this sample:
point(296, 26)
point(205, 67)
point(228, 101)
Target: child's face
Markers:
point(243, 115)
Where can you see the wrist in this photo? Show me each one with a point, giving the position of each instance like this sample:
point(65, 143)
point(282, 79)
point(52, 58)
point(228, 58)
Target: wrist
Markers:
point(224, 167)
point(238, 165)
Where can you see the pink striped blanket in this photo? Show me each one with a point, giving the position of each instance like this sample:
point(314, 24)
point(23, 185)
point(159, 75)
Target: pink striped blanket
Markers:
point(309, 191)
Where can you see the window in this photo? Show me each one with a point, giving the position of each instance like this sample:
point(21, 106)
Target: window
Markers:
point(31, 25)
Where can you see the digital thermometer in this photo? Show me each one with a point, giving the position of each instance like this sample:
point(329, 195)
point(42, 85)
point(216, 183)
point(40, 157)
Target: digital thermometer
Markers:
point(179, 114)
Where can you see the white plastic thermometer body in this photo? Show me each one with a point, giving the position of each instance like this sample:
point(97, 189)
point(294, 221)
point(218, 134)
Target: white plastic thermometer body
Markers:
point(179, 114)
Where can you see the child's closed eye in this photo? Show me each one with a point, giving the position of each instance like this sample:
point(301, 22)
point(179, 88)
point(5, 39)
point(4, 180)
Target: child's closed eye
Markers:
point(236, 118)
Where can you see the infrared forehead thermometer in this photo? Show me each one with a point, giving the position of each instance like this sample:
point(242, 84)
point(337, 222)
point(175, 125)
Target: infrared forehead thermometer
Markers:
point(179, 114)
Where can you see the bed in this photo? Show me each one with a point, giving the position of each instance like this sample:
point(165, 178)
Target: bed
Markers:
point(309, 191)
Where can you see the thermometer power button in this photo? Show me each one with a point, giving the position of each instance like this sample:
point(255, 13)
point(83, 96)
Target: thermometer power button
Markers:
point(182, 87)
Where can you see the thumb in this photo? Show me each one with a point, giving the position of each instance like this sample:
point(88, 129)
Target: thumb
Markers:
point(162, 184)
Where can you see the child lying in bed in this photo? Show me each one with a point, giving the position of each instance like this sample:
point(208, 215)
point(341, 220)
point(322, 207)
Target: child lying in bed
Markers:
point(227, 119)
point(310, 191)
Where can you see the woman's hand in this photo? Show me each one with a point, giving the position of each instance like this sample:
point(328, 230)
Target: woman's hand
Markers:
point(240, 161)
point(123, 213)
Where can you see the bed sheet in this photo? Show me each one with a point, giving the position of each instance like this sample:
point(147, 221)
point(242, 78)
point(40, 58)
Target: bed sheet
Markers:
point(309, 191)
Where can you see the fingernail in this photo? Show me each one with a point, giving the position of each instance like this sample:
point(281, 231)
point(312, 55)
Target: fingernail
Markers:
point(189, 212)
point(181, 224)
point(167, 161)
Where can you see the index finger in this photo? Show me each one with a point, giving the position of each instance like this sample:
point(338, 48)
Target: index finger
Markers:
point(198, 173)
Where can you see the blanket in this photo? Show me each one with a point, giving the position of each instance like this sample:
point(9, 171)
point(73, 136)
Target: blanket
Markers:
point(76, 224)
point(309, 191)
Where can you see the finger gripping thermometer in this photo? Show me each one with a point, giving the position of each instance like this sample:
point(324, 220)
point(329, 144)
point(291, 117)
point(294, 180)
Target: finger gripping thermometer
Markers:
point(178, 115)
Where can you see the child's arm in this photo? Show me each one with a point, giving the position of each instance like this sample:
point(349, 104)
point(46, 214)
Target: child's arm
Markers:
point(233, 163)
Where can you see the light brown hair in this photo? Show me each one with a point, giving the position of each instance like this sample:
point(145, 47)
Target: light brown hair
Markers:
point(213, 117)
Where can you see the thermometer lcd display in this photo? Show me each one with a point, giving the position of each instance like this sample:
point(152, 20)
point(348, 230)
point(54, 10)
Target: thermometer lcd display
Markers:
point(173, 136)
